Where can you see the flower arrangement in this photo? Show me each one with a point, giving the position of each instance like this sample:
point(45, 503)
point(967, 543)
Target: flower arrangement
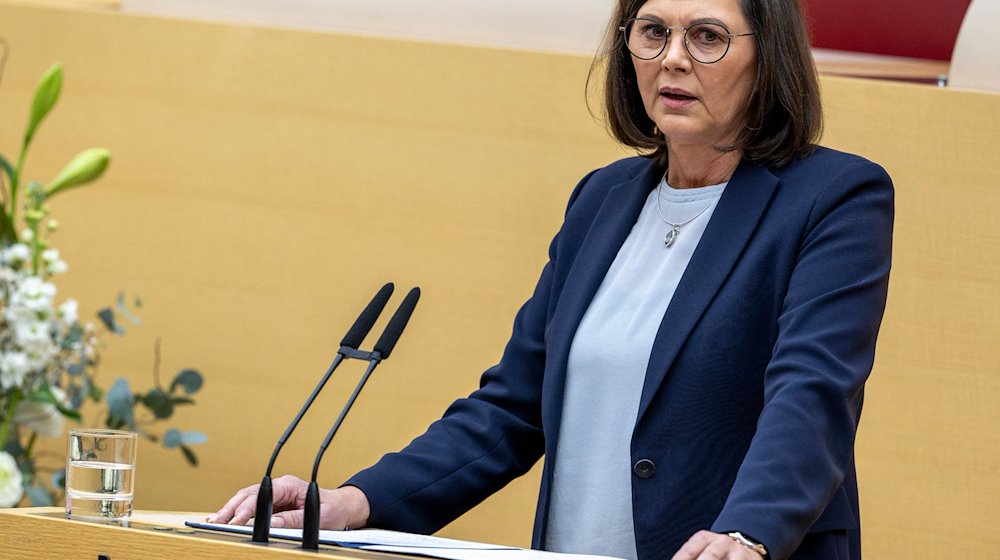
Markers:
point(49, 359)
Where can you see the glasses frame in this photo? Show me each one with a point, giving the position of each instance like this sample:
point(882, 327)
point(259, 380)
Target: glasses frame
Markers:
point(666, 41)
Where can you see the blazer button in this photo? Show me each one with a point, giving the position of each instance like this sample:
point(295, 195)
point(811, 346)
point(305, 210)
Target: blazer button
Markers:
point(644, 468)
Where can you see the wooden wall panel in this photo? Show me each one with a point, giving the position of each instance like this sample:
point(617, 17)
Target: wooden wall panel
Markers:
point(928, 448)
point(265, 182)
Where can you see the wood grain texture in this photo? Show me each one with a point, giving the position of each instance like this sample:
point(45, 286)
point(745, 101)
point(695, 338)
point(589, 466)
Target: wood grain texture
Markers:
point(265, 182)
point(39, 534)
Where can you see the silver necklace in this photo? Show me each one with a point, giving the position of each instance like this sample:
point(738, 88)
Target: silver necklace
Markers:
point(675, 229)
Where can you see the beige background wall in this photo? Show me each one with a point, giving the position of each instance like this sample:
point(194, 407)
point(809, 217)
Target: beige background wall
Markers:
point(266, 182)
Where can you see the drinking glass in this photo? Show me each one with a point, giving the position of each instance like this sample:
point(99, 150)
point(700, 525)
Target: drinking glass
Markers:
point(100, 474)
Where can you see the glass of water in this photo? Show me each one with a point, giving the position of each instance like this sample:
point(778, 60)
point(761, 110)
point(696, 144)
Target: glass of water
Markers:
point(100, 474)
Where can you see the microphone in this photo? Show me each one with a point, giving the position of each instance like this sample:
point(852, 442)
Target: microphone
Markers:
point(384, 346)
point(348, 346)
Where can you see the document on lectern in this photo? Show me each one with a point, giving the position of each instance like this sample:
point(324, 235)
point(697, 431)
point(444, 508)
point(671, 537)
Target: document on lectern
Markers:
point(409, 543)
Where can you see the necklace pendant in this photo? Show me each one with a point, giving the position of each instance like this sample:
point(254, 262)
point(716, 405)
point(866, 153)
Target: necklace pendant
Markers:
point(671, 237)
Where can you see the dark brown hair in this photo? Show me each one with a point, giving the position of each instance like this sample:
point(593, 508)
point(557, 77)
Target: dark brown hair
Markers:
point(784, 117)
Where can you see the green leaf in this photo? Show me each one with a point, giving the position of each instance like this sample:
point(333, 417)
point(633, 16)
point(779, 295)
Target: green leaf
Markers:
point(13, 447)
point(59, 479)
point(124, 310)
point(176, 438)
point(46, 95)
point(86, 167)
point(7, 234)
point(190, 379)
point(7, 168)
point(44, 394)
point(73, 335)
point(39, 495)
point(120, 402)
point(75, 394)
point(107, 316)
point(181, 400)
point(192, 459)
point(172, 438)
point(94, 392)
point(159, 403)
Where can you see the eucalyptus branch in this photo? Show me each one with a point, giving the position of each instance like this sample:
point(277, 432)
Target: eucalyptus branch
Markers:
point(31, 444)
point(156, 364)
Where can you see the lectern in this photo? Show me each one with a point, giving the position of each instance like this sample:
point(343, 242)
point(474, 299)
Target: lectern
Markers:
point(45, 534)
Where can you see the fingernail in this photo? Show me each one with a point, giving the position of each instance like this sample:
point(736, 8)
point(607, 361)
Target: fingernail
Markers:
point(277, 522)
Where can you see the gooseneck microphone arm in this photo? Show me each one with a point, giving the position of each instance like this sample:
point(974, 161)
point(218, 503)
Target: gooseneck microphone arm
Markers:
point(384, 347)
point(348, 346)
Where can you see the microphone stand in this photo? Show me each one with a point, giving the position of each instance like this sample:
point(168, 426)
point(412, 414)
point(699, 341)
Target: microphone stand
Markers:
point(384, 347)
point(348, 348)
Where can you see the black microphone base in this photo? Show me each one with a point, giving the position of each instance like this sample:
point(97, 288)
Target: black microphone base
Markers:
point(265, 505)
point(310, 520)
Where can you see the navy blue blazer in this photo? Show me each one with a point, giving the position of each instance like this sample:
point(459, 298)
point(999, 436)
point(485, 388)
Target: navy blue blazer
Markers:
point(754, 387)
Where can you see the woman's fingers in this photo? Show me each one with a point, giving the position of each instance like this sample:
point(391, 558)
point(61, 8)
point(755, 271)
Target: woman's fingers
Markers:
point(288, 492)
point(239, 509)
point(339, 508)
point(706, 545)
point(291, 519)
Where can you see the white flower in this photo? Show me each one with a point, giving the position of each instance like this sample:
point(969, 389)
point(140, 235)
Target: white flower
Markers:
point(30, 334)
point(44, 418)
point(34, 295)
point(57, 267)
point(53, 264)
point(10, 481)
point(13, 367)
point(68, 312)
point(16, 254)
point(27, 235)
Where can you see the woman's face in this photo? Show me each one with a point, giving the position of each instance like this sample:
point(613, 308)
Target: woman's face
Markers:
point(694, 103)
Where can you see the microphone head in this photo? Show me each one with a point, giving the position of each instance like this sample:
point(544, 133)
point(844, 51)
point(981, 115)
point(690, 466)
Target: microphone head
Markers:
point(361, 327)
point(394, 329)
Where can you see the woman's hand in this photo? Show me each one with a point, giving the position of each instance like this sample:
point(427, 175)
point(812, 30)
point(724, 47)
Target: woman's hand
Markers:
point(345, 507)
point(706, 545)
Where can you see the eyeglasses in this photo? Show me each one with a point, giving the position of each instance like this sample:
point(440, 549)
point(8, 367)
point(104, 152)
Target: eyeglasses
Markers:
point(705, 42)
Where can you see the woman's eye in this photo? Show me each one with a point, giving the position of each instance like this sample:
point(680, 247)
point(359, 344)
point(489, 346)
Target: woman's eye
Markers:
point(654, 31)
point(707, 35)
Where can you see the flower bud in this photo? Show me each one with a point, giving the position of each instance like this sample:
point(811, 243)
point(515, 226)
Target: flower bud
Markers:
point(87, 166)
point(46, 95)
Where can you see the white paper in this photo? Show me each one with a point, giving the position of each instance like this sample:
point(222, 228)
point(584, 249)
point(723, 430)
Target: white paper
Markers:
point(409, 543)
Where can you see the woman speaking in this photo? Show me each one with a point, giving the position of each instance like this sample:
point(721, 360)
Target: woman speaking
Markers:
point(692, 362)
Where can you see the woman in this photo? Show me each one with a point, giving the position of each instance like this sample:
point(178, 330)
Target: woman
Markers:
point(692, 361)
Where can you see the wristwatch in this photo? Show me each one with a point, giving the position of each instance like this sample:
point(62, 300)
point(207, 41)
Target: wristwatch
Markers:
point(747, 542)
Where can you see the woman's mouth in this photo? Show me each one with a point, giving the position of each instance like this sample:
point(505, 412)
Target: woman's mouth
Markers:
point(676, 99)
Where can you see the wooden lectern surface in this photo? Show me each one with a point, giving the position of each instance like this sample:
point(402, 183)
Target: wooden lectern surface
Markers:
point(45, 534)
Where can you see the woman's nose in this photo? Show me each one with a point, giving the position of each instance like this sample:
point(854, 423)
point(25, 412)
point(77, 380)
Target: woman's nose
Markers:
point(675, 55)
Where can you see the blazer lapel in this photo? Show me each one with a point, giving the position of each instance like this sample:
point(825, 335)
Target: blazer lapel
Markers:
point(735, 218)
point(610, 227)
